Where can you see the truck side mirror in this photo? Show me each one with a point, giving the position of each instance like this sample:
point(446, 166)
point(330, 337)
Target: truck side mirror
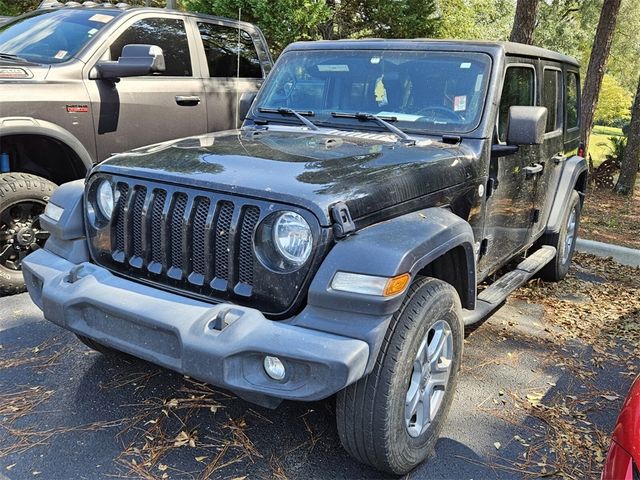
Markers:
point(135, 61)
point(526, 125)
point(246, 100)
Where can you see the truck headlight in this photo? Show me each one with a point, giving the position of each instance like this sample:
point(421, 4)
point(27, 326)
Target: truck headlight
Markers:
point(292, 237)
point(104, 199)
point(284, 241)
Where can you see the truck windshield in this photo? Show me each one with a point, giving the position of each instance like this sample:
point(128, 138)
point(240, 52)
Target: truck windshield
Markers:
point(52, 36)
point(419, 91)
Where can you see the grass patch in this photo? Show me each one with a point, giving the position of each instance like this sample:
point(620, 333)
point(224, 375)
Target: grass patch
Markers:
point(608, 131)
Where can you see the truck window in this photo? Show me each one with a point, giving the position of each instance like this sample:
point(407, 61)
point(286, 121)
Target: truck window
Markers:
point(230, 51)
point(552, 98)
point(518, 90)
point(573, 100)
point(168, 34)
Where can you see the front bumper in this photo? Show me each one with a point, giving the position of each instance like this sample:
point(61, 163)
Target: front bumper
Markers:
point(221, 344)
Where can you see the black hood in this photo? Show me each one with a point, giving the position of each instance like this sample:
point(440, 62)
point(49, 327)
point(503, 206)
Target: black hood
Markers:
point(368, 172)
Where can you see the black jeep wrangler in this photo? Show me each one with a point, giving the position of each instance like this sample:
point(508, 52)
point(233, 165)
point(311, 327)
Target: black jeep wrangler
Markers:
point(81, 82)
point(335, 243)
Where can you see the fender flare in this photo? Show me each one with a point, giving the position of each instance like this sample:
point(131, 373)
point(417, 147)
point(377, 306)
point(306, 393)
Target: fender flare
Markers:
point(404, 244)
point(572, 169)
point(33, 126)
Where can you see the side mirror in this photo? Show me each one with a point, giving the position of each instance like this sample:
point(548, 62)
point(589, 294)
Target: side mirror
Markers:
point(246, 100)
point(526, 125)
point(135, 61)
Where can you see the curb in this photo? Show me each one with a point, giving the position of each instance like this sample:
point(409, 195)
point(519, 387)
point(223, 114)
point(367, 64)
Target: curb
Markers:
point(623, 255)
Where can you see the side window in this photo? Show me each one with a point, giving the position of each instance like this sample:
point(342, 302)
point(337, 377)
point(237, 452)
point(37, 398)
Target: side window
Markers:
point(552, 98)
point(518, 90)
point(230, 51)
point(573, 100)
point(168, 34)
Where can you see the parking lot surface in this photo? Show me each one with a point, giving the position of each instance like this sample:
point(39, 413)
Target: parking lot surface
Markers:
point(541, 385)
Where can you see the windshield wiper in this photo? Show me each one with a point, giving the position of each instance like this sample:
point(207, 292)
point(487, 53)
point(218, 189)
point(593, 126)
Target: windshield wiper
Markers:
point(290, 111)
point(11, 56)
point(384, 121)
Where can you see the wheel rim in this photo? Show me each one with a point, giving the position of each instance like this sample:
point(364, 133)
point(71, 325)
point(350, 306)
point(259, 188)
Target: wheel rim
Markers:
point(570, 238)
point(20, 232)
point(429, 378)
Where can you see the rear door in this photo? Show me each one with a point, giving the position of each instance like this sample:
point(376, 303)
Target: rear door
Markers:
point(551, 152)
point(139, 111)
point(234, 64)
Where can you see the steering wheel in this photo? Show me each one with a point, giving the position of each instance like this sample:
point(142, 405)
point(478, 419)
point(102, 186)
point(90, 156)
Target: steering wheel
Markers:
point(448, 113)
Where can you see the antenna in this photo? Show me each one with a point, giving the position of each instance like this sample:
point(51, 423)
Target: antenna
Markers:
point(238, 68)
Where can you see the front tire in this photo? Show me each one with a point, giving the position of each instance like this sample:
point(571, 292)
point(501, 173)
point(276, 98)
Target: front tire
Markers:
point(391, 419)
point(564, 241)
point(23, 198)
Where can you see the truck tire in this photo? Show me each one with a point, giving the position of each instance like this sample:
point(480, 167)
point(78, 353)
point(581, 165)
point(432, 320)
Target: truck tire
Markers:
point(98, 347)
point(23, 198)
point(564, 241)
point(381, 420)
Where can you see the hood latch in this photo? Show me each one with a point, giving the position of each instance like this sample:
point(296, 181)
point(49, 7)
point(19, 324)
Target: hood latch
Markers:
point(343, 223)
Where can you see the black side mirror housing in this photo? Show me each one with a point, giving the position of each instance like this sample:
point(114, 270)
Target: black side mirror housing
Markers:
point(135, 61)
point(246, 100)
point(526, 125)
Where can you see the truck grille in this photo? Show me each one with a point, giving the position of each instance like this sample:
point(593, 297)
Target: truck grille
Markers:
point(193, 238)
point(197, 243)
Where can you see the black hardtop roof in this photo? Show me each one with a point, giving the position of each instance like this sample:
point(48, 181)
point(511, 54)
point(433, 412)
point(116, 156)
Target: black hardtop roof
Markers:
point(496, 48)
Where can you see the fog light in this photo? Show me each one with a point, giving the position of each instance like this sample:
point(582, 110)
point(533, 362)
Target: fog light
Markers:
point(274, 367)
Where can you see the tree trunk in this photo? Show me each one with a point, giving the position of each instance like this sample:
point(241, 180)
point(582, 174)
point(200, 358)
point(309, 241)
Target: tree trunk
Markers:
point(631, 160)
point(597, 63)
point(524, 22)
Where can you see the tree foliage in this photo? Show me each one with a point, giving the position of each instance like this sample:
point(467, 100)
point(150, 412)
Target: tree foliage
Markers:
point(476, 19)
point(614, 104)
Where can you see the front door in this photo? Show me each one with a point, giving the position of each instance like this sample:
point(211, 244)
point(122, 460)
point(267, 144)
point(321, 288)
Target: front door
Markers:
point(511, 187)
point(140, 111)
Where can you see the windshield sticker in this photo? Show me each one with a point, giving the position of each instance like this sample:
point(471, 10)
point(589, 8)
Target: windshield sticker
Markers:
point(333, 68)
point(479, 79)
point(380, 92)
point(101, 17)
point(465, 65)
point(60, 55)
point(375, 60)
point(92, 32)
point(460, 103)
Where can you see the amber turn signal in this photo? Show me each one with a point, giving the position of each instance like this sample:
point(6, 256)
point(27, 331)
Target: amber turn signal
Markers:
point(396, 285)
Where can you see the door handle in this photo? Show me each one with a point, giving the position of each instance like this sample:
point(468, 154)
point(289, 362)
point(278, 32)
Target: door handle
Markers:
point(187, 101)
point(558, 158)
point(533, 169)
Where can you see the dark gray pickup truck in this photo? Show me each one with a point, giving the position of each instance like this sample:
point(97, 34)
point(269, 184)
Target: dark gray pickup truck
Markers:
point(72, 93)
point(335, 243)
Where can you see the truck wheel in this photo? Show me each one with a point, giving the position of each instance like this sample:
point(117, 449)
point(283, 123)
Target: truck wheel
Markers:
point(22, 200)
point(564, 241)
point(98, 347)
point(391, 419)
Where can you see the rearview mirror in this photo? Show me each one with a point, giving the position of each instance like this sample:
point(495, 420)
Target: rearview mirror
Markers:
point(135, 61)
point(526, 125)
point(246, 100)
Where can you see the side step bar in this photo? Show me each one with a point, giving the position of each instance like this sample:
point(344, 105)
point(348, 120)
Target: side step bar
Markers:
point(493, 296)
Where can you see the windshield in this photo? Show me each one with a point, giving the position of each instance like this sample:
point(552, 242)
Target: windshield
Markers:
point(420, 91)
point(52, 36)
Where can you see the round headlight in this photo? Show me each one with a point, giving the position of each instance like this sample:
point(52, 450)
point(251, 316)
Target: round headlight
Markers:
point(104, 199)
point(292, 237)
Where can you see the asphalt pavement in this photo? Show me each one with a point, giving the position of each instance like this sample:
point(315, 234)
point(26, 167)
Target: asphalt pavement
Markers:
point(69, 413)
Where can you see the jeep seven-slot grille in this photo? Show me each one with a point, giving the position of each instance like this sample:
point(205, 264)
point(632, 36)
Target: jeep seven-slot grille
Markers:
point(186, 239)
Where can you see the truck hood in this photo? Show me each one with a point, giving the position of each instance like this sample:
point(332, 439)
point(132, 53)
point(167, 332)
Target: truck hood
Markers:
point(314, 170)
point(33, 72)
